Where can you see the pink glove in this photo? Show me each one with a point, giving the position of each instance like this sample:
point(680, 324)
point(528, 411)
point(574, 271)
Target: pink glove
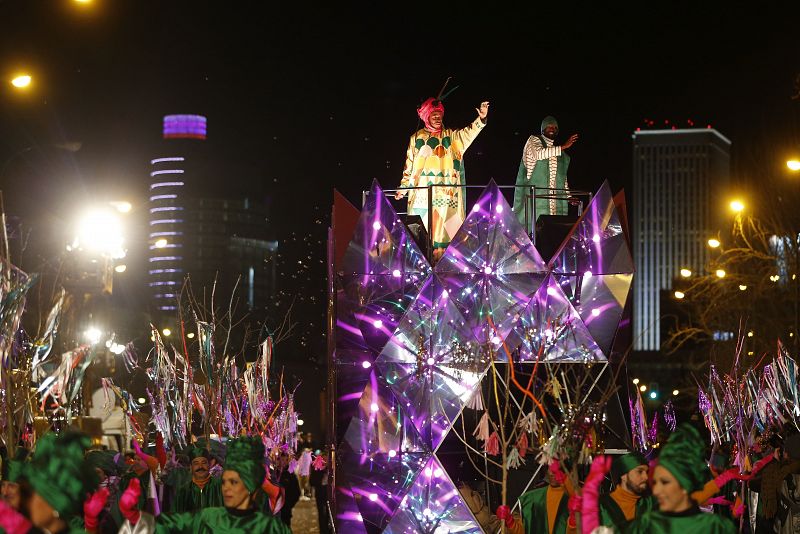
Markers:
point(719, 500)
point(92, 507)
point(11, 521)
point(558, 474)
point(728, 475)
point(738, 509)
point(590, 507)
point(129, 501)
point(503, 513)
point(573, 505)
point(761, 464)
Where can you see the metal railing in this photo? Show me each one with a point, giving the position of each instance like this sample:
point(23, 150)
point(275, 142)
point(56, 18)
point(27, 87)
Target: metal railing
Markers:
point(571, 196)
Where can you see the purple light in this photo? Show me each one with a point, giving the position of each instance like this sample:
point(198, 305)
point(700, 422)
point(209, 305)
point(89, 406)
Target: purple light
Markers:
point(165, 221)
point(168, 245)
point(428, 472)
point(167, 308)
point(161, 160)
point(378, 323)
point(374, 407)
point(166, 283)
point(160, 271)
point(437, 473)
point(166, 208)
point(165, 184)
point(365, 364)
point(587, 274)
point(431, 361)
point(157, 234)
point(185, 127)
point(376, 225)
point(373, 497)
point(165, 258)
point(167, 171)
point(392, 453)
point(596, 312)
point(596, 238)
point(487, 269)
point(164, 296)
point(396, 273)
point(499, 209)
point(161, 197)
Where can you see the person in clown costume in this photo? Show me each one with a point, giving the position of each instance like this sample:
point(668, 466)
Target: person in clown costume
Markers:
point(435, 156)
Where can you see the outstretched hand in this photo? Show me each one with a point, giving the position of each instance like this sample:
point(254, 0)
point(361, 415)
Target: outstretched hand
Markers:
point(571, 141)
point(483, 110)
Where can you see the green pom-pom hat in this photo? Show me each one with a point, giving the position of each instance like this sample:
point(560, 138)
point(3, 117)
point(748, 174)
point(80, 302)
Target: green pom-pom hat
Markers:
point(245, 455)
point(683, 456)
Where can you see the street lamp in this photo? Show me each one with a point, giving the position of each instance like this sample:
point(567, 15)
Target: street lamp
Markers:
point(736, 206)
point(793, 164)
point(713, 243)
point(22, 81)
point(100, 230)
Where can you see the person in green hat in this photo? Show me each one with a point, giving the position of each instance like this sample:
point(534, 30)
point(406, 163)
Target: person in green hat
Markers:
point(630, 498)
point(545, 509)
point(56, 482)
point(241, 483)
point(681, 470)
point(544, 166)
point(203, 490)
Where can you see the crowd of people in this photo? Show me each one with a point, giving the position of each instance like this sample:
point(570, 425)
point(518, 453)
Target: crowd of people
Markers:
point(65, 485)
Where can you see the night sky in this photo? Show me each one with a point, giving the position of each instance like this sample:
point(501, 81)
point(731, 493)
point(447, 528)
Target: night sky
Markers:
point(301, 100)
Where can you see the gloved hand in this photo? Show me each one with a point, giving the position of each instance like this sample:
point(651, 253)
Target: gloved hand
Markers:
point(728, 475)
point(738, 509)
point(129, 501)
point(149, 461)
point(590, 507)
point(761, 464)
point(574, 504)
point(555, 470)
point(503, 513)
point(92, 507)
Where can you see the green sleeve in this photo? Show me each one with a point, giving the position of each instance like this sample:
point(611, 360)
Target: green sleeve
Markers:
point(166, 523)
point(533, 507)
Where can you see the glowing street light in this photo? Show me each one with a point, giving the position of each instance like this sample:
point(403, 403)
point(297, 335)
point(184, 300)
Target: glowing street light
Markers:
point(720, 273)
point(736, 206)
point(679, 295)
point(675, 392)
point(93, 335)
point(742, 287)
point(793, 164)
point(713, 243)
point(100, 230)
point(122, 206)
point(22, 81)
point(642, 388)
point(635, 381)
point(686, 273)
point(167, 332)
point(121, 268)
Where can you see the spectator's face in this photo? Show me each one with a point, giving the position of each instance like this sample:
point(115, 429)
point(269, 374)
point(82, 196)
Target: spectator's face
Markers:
point(101, 475)
point(435, 119)
point(635, 480)
point(200, 468)
point(550, 131)
point(669, 493)
point(234, 492)
point(10, 494)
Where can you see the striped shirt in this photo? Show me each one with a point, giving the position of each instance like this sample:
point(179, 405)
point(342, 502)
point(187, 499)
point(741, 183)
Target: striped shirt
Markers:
point(533, 152)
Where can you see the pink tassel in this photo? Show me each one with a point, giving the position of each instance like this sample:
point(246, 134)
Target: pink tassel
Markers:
point(481, 432)
point(522, 444)
point(492, 445)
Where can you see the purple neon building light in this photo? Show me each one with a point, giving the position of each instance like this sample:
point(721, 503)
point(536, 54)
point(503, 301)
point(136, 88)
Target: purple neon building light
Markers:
point(185, 127)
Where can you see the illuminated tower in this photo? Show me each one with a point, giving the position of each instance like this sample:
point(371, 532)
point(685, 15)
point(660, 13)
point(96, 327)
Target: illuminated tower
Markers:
point(168, 203)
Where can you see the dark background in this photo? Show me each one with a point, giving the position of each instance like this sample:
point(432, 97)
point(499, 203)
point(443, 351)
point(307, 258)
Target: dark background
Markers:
point(303, 99)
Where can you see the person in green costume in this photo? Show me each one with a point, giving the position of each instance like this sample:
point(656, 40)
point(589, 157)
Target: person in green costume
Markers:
point(681, 470)
point(203, 490)
point(241, 482)
point(56, 482)
point(545, 509)
point(544, 166)
point(630, 498)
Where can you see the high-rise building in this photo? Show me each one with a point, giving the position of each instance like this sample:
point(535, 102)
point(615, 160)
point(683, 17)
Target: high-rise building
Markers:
point(677, 175)
point(215, 240)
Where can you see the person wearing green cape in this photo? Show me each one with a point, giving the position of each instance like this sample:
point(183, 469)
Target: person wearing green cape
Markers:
point(545, 509)
point(630, 498)
point(56, 482)
point(681, 470)
point(203, 490)
point(241, 483)
point(543, 166)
